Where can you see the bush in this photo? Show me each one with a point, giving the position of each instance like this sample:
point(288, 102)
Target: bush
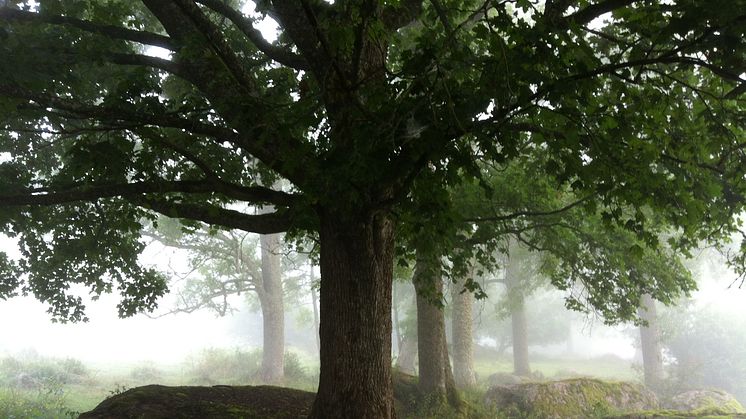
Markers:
point(33, 372)
point(224, 366)
point(146, 374)
point(47, 402)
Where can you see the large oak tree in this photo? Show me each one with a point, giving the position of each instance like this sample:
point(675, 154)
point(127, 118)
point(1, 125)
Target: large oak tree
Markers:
point(365, 107)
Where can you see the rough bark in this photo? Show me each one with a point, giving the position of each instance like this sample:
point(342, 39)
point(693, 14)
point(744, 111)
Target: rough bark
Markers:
point(273, 311)
point(463, 341)
point(356, 280)
point(650, 343)
point(435, 375)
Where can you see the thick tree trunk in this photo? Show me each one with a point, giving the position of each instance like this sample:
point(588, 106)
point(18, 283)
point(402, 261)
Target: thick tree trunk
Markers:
point(463, 341)
point(356, 279)
point(652, 360)
point(273, 311)
point(435, 374)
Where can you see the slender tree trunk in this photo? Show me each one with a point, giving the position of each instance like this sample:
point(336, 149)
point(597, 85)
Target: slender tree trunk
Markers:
point(407, 357)
point(520, 337)
point(436, 377)
point(405, 361)
point(356, 279)
point(463, 341)
point(652, 360)
point(273, 311)
point(518, 320)
point(315, 304)
point(397, 326)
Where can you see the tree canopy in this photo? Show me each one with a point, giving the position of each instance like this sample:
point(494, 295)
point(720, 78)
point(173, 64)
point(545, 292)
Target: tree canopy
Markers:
point(371, 110)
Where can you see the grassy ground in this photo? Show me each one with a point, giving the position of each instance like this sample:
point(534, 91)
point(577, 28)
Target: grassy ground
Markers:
point(53, 388)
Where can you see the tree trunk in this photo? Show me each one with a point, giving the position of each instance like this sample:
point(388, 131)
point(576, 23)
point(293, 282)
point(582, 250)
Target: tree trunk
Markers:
point(650, 343)
point(273, 311)
point(518, 320)
point(315, 304)
point(356, 279)
point(436, 378)
point(520, 337)
point(405, 361)
point(461, 329)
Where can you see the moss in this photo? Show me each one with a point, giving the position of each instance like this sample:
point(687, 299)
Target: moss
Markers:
point(711, 405)
point(678, 414)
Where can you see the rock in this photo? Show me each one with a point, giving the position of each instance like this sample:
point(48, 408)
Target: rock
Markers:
point(224, 402)
point(706, 400)
point(218, 402)
point(580, 397)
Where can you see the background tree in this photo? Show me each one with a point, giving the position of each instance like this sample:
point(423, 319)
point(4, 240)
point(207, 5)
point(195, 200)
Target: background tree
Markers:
point(353, 106)
point(230, 263)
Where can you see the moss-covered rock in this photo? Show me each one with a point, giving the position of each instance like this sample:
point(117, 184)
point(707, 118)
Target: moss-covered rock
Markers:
point(246, 402)
point(580, 397)
point(706, 400)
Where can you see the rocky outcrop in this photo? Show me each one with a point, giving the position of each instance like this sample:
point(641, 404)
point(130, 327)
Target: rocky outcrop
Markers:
point(581, 397)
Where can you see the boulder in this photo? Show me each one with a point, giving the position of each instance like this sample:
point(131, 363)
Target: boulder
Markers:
point(706, 400)
point(574, 398)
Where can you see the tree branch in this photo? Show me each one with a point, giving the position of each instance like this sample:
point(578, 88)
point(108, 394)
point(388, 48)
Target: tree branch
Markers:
point(277, 222)
point(120, 113)
point(402, 14)
point(519, 214)
point(583, 16)
point(109, 31)
point(45, 196)
point(276, 53)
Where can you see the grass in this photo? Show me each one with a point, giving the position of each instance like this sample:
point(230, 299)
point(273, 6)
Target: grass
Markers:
point(605, 367)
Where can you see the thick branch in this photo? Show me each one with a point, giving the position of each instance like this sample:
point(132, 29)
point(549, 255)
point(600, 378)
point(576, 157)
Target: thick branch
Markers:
point(109, 31)
point(213, 215)
point(279, 54)
point(224, 82)
point(254, 194)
